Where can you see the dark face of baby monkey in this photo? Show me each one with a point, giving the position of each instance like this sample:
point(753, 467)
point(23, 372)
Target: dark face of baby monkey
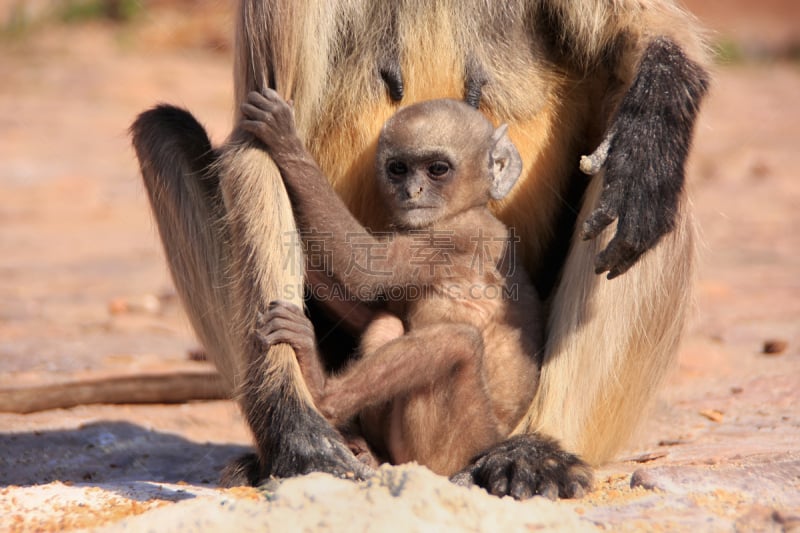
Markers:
point(439, 158)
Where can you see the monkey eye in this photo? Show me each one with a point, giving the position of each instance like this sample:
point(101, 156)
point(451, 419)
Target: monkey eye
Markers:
point(437, 169)
point(397, 168)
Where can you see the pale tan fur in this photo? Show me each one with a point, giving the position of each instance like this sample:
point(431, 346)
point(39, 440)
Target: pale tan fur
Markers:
point(608, 342)
point(199, 258)
point(615, 355)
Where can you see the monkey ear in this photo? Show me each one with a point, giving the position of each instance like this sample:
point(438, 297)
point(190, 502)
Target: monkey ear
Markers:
point(506, 164)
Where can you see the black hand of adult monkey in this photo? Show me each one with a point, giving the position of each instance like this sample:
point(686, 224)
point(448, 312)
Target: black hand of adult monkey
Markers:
point(644, 156)
point(528, 465)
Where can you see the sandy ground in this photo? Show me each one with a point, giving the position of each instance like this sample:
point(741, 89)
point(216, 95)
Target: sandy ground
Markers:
point(84, 293)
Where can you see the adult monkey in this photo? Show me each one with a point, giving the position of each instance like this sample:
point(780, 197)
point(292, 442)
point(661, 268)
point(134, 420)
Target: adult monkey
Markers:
point(626, 75)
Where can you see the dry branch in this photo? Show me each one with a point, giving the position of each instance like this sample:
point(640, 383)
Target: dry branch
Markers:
point(177, 387)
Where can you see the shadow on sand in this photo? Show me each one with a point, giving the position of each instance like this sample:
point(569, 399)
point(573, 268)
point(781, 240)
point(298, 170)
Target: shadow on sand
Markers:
point(124, 457)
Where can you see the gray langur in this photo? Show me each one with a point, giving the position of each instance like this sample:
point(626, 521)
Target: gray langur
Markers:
point(627, 76)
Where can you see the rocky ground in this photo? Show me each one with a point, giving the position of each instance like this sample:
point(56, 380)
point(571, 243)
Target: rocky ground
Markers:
point(84, 294)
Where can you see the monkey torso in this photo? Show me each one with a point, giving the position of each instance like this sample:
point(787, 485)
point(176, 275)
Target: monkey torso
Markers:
point(483, 284)
point(340, 119)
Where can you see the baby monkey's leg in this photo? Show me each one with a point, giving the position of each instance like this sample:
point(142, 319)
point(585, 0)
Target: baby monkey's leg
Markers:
point(441, 412)
point(384, 328)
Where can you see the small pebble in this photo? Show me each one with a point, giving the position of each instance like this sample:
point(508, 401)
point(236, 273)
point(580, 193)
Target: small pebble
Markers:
point(774, 346)
point(713, 414)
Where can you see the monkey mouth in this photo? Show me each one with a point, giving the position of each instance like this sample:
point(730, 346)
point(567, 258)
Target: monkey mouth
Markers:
point(413, 216)
point(413, 207)
point(418, 213)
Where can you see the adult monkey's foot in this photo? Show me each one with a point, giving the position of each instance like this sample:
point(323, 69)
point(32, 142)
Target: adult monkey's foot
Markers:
point(528, 465)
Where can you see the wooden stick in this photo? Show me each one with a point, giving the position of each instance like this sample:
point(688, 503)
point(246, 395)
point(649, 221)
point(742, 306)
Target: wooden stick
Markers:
point(177, 387)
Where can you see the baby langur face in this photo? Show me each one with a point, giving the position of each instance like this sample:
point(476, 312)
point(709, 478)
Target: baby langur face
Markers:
point(416, 187)
point(433, 162)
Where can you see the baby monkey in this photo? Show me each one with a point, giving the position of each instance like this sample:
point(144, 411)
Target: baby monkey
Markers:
point(451, 366)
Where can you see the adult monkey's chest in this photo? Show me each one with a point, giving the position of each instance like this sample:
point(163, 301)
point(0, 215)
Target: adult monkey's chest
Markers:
point(443, 52)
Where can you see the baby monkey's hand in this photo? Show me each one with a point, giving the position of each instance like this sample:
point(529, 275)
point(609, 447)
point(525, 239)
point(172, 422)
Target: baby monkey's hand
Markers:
point(271, 120)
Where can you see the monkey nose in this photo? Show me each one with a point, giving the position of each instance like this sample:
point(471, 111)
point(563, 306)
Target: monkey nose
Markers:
point(414, 191)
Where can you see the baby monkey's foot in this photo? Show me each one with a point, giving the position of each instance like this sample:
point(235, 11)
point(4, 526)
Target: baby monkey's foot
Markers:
point(285, 322)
